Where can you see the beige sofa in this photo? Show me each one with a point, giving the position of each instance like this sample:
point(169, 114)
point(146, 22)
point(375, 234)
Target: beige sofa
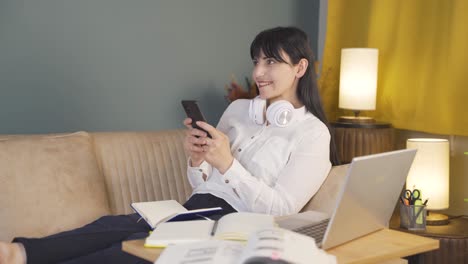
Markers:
point(51, 183)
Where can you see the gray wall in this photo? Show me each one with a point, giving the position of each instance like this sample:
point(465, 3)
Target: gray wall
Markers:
point(101, 65)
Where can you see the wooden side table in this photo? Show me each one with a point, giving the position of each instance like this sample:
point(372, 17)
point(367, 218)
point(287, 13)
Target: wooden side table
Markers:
point(453, 240)
point(359, 139)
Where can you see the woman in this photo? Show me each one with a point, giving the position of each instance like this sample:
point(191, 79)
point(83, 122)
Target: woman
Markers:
point(267, 155)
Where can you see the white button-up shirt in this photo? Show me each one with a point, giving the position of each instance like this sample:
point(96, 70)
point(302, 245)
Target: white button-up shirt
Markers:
point(276, 170)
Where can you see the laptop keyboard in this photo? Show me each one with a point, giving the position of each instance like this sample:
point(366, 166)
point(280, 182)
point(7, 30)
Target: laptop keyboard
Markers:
point(315, 230)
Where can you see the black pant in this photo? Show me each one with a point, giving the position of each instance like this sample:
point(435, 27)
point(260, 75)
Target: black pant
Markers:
point(100, 241)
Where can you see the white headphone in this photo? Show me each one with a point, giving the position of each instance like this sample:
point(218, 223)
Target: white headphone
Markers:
point(279, 113)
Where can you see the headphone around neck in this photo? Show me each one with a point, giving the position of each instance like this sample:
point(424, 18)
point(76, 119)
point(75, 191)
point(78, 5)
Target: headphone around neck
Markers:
point(279, 113)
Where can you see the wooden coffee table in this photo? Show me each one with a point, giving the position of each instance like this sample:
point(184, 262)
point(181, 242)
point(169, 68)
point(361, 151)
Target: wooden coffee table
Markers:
point(383, 246)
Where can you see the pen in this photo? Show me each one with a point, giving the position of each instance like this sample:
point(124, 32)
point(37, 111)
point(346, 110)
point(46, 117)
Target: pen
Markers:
point(420, 220)
point(420, 211)
point(215, 225)
point(418, 208)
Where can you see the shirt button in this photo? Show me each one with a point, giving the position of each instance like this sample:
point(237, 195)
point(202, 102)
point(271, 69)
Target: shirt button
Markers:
point(252, 137)
point(226, 181)
point(239, 149)
point(200, 170)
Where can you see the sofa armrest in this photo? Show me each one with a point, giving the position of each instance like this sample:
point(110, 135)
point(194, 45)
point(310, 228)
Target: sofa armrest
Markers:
point(48, 184)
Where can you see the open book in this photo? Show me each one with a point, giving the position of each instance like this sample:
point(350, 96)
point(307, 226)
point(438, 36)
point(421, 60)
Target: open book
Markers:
point(234, 226)
point(157, 212)
point(271, 245)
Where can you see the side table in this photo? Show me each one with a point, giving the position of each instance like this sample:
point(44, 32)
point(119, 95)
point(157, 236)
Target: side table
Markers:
point(453, 240)
point(359, 139)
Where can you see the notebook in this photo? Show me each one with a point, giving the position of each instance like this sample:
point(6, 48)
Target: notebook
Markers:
point(157, 212)
point(372, 186)
point(233, 226)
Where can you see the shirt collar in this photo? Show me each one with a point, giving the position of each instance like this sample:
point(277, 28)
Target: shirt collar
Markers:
point(301, 113)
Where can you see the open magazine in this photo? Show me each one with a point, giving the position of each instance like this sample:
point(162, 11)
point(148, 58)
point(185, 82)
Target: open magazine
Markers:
point(263, 246)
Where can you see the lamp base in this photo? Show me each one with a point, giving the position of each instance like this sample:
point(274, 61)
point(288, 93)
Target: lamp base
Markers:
point(356, 119)
point(436, 219)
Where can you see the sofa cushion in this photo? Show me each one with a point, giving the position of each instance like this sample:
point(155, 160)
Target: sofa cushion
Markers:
point(48, 184)
point(327, 196)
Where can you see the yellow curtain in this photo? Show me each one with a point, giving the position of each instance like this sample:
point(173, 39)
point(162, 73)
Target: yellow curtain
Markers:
point(423, 60)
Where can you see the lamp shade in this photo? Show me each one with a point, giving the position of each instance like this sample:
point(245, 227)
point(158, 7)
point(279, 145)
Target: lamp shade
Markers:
point(358, 78)
point(430, 171)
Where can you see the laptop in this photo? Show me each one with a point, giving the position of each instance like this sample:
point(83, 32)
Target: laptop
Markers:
point(372, 186)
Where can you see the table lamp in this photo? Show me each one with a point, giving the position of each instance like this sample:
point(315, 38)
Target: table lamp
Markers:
point(430, 174)
point(358, 82)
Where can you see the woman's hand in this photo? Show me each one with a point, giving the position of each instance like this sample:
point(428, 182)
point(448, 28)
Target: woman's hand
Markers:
point(194, 139)
point(217, 149)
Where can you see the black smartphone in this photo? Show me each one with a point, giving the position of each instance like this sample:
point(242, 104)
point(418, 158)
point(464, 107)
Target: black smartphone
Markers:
point(193, 111)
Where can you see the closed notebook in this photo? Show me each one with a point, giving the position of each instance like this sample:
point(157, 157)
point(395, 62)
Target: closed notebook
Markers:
point(234, 226)
point(157, 212)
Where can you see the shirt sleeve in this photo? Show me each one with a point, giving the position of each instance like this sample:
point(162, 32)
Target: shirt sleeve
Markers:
point(298, 181)
point(195, 174)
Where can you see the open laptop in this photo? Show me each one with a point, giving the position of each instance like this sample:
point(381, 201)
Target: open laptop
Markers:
point(372, 186)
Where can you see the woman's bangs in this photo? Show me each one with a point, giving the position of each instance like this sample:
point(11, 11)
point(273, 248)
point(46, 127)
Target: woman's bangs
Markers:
point(269, 45)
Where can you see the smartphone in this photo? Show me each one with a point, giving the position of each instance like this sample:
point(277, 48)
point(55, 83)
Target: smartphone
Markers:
point(193, 111)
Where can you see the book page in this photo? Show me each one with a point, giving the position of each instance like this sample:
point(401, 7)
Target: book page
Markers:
point(180, 232)
point(238, 226)
point(156, 211)
point(282, 244)
point(205, 252)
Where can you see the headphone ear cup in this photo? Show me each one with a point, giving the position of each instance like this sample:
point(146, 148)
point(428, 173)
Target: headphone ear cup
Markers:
point(257, 110)
point(280, 113)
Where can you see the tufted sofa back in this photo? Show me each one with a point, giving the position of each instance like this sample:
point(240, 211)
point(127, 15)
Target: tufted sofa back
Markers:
point(142, 166)
point(148, 166)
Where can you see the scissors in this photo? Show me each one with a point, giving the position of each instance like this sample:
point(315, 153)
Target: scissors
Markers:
point(410, 196)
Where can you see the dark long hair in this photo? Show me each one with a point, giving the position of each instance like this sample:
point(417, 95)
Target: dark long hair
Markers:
point(295, 43)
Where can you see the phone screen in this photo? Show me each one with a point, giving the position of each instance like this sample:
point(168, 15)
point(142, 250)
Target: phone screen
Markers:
point(193, 111)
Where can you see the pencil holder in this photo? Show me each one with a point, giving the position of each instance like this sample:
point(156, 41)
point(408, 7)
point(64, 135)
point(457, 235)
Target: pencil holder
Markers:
point(413, 217)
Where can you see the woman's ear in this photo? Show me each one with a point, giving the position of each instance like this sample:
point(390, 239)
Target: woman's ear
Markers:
point(303, 64)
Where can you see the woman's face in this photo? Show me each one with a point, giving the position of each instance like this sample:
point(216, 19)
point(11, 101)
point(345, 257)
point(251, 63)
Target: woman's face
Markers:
point(275, 80)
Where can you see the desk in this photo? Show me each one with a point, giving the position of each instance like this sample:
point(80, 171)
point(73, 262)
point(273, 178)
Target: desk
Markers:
point(378, 247)
point(359, 139)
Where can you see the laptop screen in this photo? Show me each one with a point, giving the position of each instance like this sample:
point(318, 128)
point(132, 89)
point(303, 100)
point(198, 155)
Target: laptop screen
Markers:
point(369, 195)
